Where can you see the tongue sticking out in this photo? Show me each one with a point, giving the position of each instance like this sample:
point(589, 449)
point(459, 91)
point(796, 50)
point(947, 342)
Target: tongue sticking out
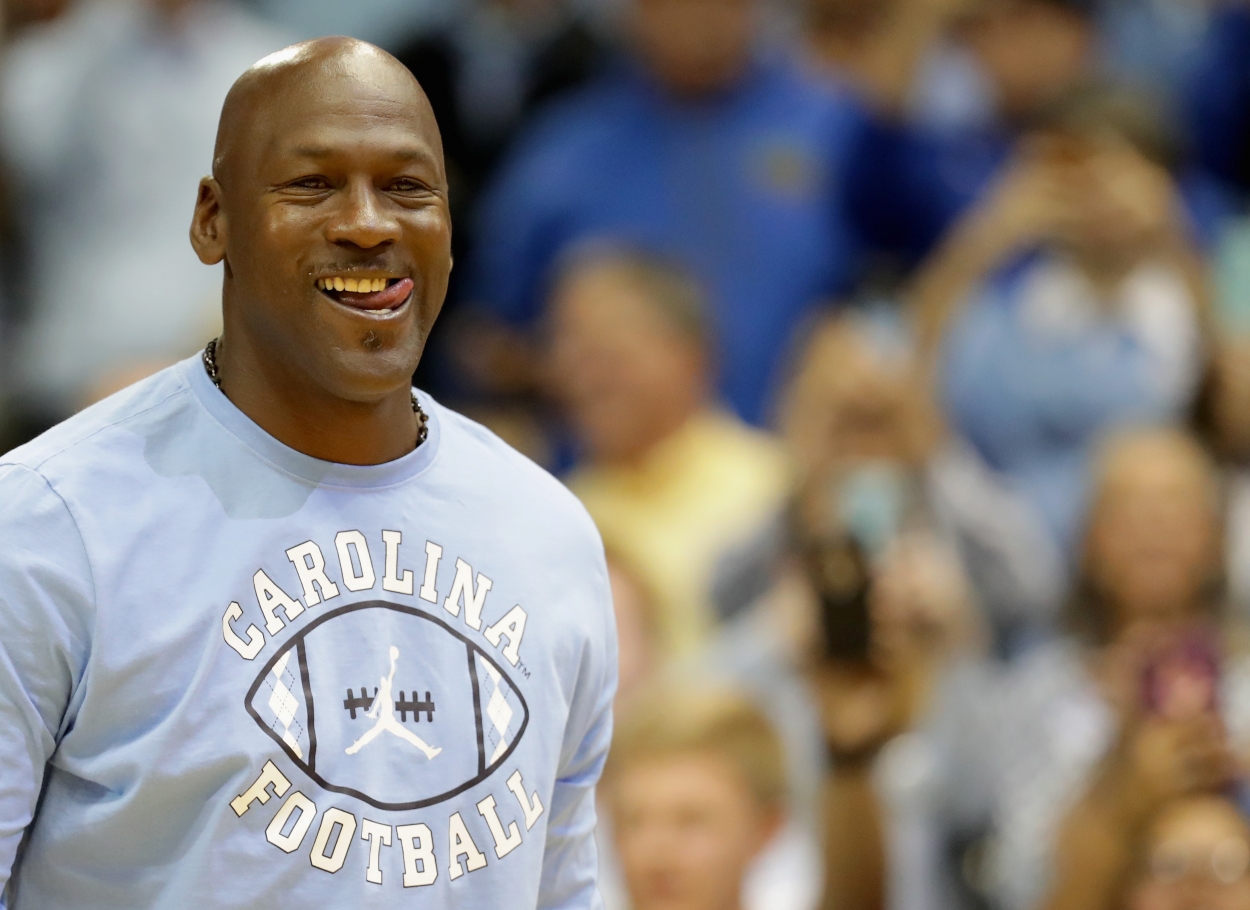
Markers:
point(389, 298)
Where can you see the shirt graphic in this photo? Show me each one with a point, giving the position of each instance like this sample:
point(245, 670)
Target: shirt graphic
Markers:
point(441, 719)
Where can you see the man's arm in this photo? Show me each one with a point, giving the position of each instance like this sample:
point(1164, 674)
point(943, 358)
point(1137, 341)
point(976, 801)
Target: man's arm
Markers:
point(571, 860)
point(46, 609)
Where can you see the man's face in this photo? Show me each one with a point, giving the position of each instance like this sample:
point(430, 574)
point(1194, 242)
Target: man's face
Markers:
point(1153, 541)
point(687, 827)
point(849, 404)
point(337, 230)
point(1197, 856)
point(625, 376)
point(694, 47)
point(1032, 51)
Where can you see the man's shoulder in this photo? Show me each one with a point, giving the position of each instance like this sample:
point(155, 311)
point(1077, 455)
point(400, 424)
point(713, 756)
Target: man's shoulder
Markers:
point(83, 438)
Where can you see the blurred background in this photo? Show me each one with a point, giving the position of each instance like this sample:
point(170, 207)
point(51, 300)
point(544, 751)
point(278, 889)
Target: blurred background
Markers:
point(899, 348)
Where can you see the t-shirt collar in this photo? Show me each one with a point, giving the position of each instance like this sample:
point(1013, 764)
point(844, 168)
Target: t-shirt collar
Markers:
point(313, 470)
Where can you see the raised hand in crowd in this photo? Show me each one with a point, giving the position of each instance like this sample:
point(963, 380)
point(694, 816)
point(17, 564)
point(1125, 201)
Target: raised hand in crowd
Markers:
point(888, 632)
point(1090, 182)
point(1174, 749)
point(1029, 204)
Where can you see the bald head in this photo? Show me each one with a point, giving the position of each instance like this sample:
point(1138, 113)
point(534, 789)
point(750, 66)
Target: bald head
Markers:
point(327, 72)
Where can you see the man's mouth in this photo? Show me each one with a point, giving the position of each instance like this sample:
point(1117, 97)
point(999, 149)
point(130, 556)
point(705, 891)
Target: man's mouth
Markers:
point(375, 294)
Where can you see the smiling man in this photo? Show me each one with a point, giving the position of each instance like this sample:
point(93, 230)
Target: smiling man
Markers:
point(277, 630)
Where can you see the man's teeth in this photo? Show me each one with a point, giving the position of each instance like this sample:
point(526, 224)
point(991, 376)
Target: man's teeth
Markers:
point(354, 285)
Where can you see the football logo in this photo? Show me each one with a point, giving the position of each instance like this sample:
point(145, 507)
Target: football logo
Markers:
point(439, 716)
point(385, 714)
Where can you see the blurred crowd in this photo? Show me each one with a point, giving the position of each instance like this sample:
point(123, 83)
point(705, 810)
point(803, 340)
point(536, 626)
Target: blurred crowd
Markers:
point(900, 350)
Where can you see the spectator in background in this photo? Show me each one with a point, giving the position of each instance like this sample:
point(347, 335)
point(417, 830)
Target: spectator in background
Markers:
point(870, 602)
point(754, 656)
point(702, 146)
point(908, 182)
point(694, 788)
point(671, 481)
point(1069, 301)
point(673, 484)
point(893, 644)
point(860, 431)
point(882, 47)
point(1192, 854)
point(107, 115)
point(871, 453)
point(1195, 854)
point(488, 68)
point(1145, 701)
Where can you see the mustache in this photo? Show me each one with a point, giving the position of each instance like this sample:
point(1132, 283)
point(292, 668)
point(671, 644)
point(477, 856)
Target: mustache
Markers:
point(374, 262)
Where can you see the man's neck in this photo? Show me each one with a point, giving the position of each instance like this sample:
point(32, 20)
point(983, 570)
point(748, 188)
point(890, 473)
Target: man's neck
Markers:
point(310, 419)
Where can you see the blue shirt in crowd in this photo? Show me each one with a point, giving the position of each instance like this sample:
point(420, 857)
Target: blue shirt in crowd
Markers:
point(1219, 97)
point(1037, 368)
point(743, 187)
point(243, 677)
point(906, 182)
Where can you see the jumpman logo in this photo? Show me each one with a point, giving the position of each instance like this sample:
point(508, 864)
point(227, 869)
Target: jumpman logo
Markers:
point(383, 711)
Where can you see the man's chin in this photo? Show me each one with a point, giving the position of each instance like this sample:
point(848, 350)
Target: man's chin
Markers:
point(362, 375)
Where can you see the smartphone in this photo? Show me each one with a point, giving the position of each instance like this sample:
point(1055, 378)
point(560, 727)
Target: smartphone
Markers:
point(839, 574)
point(1182, 679)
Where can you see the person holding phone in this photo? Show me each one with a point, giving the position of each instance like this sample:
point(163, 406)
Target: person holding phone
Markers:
point(1142, 703)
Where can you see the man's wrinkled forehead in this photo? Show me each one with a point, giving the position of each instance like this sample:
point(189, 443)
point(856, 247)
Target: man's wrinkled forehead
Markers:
point(349, 118)
point(314, 104)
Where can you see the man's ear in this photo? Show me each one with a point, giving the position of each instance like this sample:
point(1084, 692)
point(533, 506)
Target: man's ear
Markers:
point(208, 224)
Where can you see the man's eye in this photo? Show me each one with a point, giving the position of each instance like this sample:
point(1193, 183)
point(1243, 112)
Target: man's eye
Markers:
point(408, 185)
point(310, 183)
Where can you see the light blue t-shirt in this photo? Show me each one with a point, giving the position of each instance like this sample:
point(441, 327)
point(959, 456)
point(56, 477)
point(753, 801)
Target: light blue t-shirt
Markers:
point(244, 677)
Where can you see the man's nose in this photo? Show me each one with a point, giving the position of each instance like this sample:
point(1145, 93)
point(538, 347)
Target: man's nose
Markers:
point(363, 218)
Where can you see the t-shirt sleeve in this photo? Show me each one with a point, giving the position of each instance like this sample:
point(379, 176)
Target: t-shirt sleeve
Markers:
point(46, 601)
point(571, 861)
